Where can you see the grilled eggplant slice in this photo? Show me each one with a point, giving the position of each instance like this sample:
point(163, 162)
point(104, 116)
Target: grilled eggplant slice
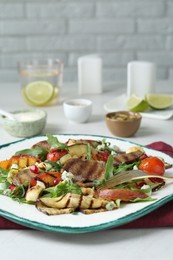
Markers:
point(76, 201)
point(52, 211)
point(78, 150)
point(65, 158)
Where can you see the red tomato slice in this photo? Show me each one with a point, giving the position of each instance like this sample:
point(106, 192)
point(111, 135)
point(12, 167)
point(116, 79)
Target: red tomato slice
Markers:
point(152, 165)
point(124, 195)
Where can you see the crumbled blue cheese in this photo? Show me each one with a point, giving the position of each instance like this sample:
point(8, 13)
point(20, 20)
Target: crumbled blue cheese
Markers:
point(135, 167)
point(110, 206)
point(67, 176)
point(116, 148)
point(101, 146)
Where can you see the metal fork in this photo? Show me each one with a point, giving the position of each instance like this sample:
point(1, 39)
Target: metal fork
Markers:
point(127, 176)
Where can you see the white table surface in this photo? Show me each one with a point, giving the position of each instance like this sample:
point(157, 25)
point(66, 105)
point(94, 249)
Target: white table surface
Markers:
point(117, 244)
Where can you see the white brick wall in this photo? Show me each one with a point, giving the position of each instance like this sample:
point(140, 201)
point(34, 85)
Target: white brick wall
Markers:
point(119, 30)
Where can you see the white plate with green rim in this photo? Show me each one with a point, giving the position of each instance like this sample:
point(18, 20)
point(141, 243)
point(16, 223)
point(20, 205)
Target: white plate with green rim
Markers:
point(27, 215)
point(120, 103)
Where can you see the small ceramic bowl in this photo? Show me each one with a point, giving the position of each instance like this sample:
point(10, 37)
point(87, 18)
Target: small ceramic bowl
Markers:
point(123, 123)
point(29, 122)
point(78, 110)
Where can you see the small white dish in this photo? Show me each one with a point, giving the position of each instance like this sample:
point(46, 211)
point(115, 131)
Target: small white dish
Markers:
point(119, 103)
point(78, 110)
point(29, 122)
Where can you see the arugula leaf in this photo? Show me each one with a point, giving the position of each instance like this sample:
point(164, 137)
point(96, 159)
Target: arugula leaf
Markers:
point(54, 142)
point(55, 166)
point(125, 167)
point(88, 152)
point(37, 151)
point(109, 167)
point(3, 175)
point(143, 199)
point(63, 188)
point(17, 194)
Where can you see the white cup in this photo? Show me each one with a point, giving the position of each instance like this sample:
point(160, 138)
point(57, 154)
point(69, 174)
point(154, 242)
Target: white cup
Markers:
point(78, 110)
point(141, 77)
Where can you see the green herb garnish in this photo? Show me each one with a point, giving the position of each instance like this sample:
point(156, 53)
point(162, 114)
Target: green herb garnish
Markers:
point(62, 188)
point(37, 151)
point(109, 167)
point(54, 142)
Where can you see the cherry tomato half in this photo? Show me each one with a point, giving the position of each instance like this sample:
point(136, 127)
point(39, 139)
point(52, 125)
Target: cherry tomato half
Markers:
point(55, 154)
point(152, 165)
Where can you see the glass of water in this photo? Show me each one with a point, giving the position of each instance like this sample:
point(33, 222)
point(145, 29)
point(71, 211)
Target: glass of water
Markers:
point(41, 81)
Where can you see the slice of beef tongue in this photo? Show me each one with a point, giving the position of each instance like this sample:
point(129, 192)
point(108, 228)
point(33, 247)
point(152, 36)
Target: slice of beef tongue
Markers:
point(127, 157)
point(85, 170)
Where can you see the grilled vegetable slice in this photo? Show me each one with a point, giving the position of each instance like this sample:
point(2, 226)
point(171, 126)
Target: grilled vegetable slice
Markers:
point(49, 178)
point(65, 158)
point(75, 201)
point(52, 211)
point(34, 192)
point(23, 160)
point(78, 150)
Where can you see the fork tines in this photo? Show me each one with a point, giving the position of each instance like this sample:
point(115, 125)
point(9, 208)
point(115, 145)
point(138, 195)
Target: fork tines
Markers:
point(122, 178)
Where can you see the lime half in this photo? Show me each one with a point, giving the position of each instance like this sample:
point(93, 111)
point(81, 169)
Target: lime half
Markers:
point(38, 93)
point(136, 104)
point(159, 101)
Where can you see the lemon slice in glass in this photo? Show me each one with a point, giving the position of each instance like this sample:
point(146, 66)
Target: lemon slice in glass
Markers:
point(136, 104)
point(159, 101)
point(38, 93)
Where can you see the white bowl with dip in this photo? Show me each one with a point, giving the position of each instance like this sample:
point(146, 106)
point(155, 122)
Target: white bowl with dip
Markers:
point(27, 123)
point(78, 110)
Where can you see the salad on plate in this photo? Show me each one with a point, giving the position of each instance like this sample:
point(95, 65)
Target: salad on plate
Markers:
point(64, 177)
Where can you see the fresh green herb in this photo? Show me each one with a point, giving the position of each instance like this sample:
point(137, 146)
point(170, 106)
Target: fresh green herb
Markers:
point(125, 167)
point(143, 199)
point(37, 151)
point(88, 152)
point(109, 167)
point(3, 175)
point(62, 188)
point(54, 142)
point(17, 194)
point(56, 166)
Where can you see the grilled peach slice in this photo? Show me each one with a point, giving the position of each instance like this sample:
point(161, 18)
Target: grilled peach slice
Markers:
point(49, 178)
point(23, 160)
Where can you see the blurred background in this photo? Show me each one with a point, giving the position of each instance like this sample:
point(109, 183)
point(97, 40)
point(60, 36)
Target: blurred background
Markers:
point(118, 30)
